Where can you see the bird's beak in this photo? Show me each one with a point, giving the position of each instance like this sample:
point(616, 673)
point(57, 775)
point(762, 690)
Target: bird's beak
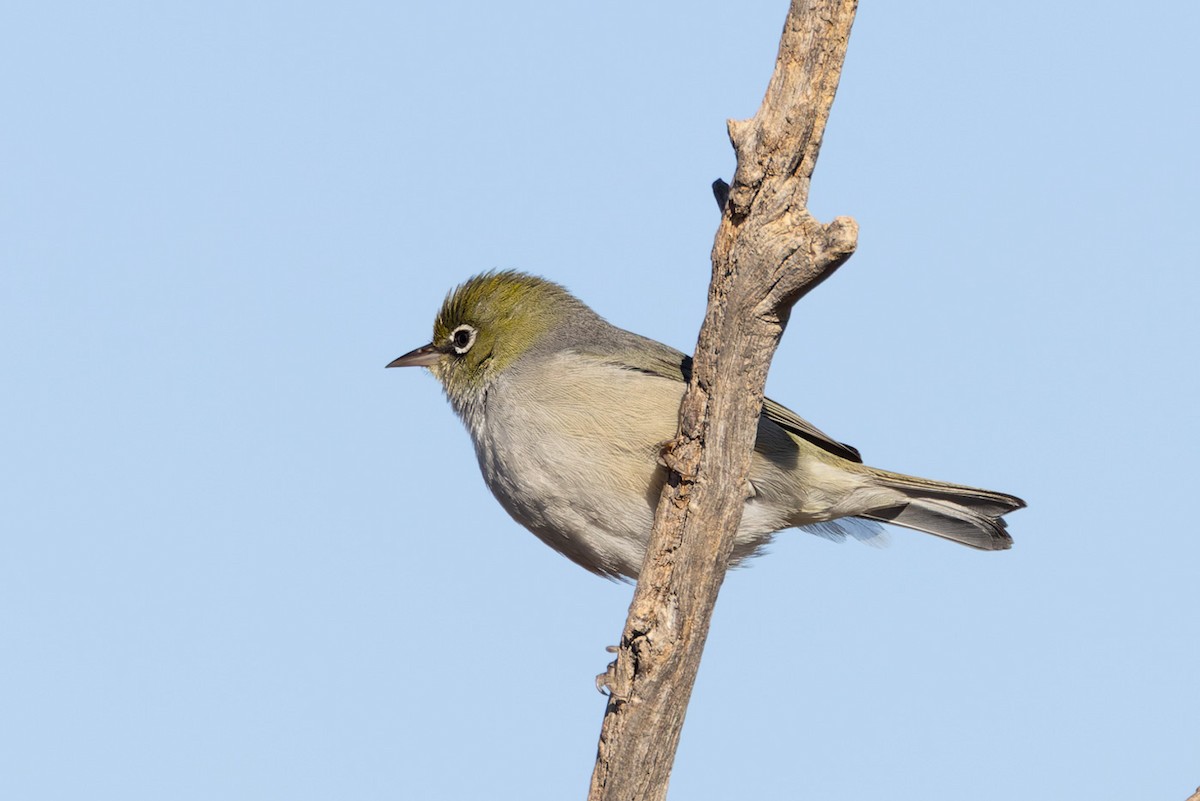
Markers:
point(424, 356)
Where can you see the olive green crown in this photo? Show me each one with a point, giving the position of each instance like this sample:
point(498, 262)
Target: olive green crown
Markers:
point(512, 312)
point(503, 299)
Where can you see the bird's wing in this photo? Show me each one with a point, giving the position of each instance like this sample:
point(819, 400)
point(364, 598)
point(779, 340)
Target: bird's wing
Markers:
point(659, 359)
point(790, 421)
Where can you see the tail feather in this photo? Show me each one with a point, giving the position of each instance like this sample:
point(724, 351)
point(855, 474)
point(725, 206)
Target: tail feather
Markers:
point(985, 502)
point(947, 520)
point(968, 515)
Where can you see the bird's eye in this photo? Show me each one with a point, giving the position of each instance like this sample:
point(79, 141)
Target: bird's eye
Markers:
point(462, 338)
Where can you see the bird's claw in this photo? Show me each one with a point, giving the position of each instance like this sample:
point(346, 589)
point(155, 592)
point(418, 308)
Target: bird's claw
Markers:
point(604, 681)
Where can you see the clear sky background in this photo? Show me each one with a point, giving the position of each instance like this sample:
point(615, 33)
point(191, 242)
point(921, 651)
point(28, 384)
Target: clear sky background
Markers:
point(241, 560)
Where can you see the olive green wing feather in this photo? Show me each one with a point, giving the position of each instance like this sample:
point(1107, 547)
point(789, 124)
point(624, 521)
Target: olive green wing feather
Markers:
point(790, 421)
point(655, 358)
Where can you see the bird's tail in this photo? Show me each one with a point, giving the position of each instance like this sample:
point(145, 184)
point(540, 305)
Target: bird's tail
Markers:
point(963, 514)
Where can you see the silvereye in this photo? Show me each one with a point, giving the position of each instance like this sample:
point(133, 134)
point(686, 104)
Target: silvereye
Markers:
point(569, 414)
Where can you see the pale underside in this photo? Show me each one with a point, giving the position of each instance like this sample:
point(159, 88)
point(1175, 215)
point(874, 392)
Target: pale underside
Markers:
point(570, 447)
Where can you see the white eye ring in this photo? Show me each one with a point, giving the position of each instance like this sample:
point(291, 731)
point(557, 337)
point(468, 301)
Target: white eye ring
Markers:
point(462, 338)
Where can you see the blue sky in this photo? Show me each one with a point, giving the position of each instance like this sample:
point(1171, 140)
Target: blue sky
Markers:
point(241, 560)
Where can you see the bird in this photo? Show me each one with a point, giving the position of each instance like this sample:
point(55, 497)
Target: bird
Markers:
point(569, 414)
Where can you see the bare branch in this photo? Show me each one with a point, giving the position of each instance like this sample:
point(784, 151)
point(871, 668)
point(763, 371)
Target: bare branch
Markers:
point(768, 253)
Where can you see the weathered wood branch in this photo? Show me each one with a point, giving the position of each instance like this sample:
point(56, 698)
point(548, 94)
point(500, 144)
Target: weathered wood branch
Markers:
point(768, 252)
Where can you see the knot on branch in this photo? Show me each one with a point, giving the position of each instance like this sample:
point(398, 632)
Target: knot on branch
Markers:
point(682, 457)
point(807, 253)
point(751, 171)
point(840, 240)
